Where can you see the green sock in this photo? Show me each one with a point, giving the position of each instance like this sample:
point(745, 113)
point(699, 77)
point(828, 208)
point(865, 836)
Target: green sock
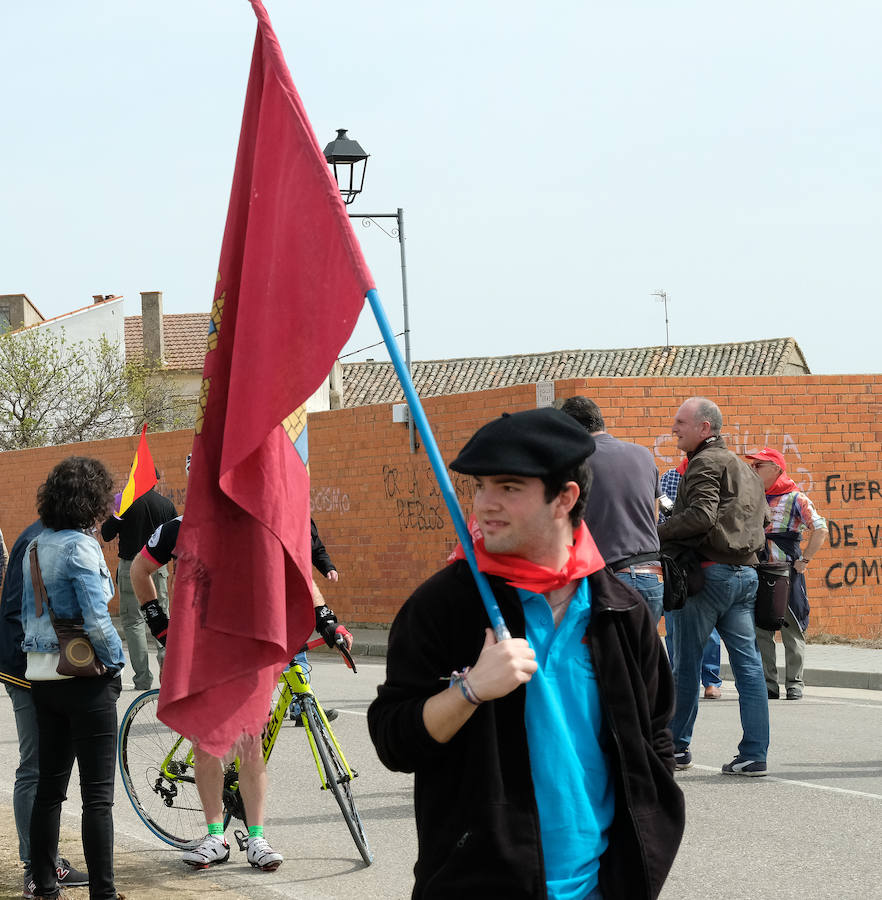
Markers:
point(255, 831)
point(216, 828)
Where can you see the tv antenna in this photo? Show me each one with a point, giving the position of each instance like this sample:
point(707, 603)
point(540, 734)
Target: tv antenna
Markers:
point(663, 298)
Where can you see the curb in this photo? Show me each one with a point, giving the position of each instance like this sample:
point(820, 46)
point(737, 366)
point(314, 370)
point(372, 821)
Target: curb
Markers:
point(867, 681)
point(376, 650)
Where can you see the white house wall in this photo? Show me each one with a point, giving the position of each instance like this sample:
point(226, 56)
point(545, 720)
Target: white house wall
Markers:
point(90, 323)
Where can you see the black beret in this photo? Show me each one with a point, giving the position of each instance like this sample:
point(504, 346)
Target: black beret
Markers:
point(534, 443)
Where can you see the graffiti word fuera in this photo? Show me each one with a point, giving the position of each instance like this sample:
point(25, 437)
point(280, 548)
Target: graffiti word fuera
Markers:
point(328, 499)
point(851, 491)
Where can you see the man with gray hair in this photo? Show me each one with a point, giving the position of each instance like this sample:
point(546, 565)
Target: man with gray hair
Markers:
point(715, 530)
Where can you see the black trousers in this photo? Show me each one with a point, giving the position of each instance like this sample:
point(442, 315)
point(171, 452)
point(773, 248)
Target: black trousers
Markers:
point(76, 719)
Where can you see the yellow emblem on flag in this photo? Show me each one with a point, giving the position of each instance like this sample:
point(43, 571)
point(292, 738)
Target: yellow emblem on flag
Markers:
point(203, 402)
point(295, 427)
point(217, 312)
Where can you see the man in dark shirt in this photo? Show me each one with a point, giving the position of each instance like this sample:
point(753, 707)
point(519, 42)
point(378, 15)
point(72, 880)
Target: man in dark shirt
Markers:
point(622, 508)
point(133, 528)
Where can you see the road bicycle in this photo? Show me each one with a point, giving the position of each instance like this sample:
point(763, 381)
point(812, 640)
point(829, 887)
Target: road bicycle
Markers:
point(156, 764)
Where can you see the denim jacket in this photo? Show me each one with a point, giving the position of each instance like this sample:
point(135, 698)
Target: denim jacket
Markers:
point(79, 586)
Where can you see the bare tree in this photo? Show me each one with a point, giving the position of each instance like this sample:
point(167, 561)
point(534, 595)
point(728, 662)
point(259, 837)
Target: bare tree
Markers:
point(55, 392)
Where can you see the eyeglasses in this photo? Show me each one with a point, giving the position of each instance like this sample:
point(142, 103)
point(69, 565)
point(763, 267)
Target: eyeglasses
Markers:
point(759, 465)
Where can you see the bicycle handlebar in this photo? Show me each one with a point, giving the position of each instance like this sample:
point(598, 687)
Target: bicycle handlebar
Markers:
point(340, 643)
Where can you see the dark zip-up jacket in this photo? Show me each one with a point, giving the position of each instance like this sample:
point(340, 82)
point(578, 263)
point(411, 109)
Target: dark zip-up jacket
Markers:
point(13, 661)
point(320, 558)
point(476, 815)
point(720, 511)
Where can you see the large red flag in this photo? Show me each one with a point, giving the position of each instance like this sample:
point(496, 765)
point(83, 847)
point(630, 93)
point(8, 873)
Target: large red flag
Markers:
point(291, 284)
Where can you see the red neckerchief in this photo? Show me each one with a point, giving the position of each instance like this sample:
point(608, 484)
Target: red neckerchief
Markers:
point(681, 468)
point(584, 558)
point(784, 484)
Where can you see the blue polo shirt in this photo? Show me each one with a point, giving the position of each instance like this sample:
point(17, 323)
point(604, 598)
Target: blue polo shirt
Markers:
point(567, 738)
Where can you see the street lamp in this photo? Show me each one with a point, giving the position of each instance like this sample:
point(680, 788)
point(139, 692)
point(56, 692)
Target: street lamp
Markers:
point(349, 163)
point(343, 155)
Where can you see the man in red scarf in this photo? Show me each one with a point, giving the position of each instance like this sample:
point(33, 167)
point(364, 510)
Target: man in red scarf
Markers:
point(544, 767)
point(792, 515)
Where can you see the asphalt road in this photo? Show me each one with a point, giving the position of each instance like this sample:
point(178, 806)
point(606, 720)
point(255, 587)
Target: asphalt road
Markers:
point(812, 829)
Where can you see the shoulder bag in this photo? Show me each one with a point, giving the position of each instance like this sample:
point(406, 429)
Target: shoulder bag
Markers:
point(76, 654)
point(772, 597)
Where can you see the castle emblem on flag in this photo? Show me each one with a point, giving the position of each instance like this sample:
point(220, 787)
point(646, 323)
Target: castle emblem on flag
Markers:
point(295, 428)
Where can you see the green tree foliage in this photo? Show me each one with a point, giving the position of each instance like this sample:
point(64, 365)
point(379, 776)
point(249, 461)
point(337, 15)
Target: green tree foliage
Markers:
point(56, 392)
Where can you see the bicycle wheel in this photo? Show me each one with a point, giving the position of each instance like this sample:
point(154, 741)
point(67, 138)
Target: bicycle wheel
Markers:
point(337, 778)
point(156, 765)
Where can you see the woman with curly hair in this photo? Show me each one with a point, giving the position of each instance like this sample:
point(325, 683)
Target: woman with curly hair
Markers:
point(76, 717)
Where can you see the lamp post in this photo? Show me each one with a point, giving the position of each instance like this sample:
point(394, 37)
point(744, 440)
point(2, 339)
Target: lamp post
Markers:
point(349, 162)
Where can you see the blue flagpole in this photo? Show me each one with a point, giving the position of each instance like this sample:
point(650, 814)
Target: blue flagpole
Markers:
point(459, 523)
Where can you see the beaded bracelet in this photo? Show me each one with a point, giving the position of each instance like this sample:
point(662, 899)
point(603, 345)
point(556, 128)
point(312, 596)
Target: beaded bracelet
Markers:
point(459, 679)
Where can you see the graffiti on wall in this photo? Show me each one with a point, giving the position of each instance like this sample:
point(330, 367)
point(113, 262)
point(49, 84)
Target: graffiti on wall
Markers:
point(416, 496)
point(328, 499)
point(855, 542)
point(739, 440)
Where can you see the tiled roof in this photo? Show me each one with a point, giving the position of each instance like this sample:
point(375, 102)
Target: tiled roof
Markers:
point(185, 337)
point(376, 382)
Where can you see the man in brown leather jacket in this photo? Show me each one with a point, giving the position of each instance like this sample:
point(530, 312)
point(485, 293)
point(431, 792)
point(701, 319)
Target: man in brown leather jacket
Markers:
point(717, 524)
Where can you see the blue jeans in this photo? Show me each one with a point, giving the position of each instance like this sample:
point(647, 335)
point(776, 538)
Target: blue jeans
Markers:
point(710, 659)
point(726, 601)
point(28, 771)
point(649, 587)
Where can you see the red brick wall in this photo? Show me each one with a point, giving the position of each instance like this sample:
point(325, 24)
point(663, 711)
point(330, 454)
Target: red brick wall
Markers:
point(385, 525)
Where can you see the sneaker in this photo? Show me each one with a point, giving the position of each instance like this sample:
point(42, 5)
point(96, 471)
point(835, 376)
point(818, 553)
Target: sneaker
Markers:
point(683, 758)
point(68, 876)
point(330, 715)
point(712, 692)
point(30, 886)
point(740, 766)
point(213, 849)
point(262, 856)
point(794, 694)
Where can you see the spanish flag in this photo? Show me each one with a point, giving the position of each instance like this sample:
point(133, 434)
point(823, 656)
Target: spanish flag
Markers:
point(141, 478)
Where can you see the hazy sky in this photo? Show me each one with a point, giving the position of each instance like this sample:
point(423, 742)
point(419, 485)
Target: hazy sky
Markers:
point(557, 162)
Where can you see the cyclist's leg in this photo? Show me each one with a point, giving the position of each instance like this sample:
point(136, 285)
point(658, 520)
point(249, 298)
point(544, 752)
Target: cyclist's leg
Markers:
point(209, 774)
point(252, 780)
point(252, 787)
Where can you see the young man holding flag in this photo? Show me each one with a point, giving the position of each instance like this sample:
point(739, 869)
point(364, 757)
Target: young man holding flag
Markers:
point(543, 763)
